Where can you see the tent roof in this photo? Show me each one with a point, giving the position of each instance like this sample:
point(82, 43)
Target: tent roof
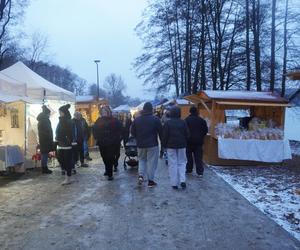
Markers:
point(122, 108)
point(13, 98)
point(87, 98)
point(37, 86)
point(11, 86)
point(236, 95)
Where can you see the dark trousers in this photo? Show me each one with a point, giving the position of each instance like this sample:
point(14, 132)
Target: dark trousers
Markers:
point(194, 152)
point(79, 153)
point(117, 149)
point(109, 158)
point(65, 159)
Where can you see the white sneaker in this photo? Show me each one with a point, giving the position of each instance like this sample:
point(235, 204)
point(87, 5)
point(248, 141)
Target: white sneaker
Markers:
point(67, 181)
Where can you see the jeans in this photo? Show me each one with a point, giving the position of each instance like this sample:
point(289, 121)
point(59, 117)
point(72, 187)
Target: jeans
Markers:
point(177, 165)
point(148, 160)
point(194, 152)
point(44, 160)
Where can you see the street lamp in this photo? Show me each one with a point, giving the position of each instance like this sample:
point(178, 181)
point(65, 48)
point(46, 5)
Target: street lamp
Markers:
point(97, 61)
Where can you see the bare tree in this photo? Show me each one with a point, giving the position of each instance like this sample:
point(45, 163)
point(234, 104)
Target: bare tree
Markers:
point(273, 34)
point(38, 48)
point(115, 86)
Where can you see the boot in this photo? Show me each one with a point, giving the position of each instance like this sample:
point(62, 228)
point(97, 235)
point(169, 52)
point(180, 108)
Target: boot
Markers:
point(67, 181)
point(46, 170)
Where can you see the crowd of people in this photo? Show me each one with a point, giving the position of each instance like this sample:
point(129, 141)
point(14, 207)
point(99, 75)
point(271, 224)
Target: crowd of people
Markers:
point(180, 140)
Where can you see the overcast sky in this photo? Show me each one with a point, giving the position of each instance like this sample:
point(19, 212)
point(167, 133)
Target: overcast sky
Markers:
point(80, 31)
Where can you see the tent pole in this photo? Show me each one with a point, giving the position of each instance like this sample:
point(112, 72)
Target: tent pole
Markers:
point(25, 133)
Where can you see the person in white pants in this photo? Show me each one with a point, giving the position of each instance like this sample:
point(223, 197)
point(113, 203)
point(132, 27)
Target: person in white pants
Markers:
point(175, 136)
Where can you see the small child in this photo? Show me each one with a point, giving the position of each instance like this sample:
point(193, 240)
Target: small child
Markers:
point(175, 135)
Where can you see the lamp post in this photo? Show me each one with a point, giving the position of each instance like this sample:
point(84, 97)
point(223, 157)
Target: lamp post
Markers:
point(97, 61)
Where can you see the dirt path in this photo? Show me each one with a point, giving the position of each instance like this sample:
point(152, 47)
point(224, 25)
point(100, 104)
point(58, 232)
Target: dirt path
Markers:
point(37, 213)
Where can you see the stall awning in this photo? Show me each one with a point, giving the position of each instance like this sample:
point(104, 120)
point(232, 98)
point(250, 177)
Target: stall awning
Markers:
point(11, 98)
point(266, 104)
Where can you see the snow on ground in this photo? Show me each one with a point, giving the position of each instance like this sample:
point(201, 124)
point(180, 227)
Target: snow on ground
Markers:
point(271, 189)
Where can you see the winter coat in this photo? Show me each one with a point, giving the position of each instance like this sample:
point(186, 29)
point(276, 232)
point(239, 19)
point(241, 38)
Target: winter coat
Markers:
point(45, 133)
point(126, 128)
point(175, 131)
point(107, 131)
point(146, 128)
point(64, 133)
point(78, 131)
point(198, 129)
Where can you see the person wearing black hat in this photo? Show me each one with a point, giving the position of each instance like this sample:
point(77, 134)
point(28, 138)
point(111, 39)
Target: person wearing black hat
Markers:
point(64, 138)
point(146, 129)
point(45, 138)
point(198, 129)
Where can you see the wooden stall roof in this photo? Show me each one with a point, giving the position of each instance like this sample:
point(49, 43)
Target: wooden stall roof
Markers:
point(294, 75)
point(236, 96)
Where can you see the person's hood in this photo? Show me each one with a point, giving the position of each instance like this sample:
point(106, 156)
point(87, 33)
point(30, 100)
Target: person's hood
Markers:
point(42, 116)
point(175, 112)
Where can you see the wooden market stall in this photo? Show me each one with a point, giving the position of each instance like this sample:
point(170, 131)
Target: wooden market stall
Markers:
point(183, 104)
point(241, 150)
point(89, 107)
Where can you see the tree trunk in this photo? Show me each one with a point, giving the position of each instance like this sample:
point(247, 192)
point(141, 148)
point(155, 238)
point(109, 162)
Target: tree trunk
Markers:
point(284, 49)
point(256, 35)
point(248, 79)
point(273, 33)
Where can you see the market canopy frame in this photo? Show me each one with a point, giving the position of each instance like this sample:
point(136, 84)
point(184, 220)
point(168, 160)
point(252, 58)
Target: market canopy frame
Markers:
point(37, 86)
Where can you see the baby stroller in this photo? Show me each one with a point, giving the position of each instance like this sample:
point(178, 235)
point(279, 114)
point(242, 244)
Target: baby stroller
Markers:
point(131, 153)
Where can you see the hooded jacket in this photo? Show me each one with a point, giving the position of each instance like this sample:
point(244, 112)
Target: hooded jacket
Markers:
point(45, 133)
point(175, 131)
point(146, 128)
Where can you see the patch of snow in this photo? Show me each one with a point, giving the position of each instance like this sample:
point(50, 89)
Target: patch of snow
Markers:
point(270, 190)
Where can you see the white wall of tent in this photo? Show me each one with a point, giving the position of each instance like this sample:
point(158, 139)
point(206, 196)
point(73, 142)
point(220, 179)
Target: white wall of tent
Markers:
point(22, 94)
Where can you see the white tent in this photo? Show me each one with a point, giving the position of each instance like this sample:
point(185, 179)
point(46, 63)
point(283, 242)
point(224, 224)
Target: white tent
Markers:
point(37, 87)
point(122, 108)
point(10, 86)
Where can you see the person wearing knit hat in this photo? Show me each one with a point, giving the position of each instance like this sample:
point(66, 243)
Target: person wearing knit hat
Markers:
point(107, 132)
point(64, 138)
point(45, 134)
point(146, 129)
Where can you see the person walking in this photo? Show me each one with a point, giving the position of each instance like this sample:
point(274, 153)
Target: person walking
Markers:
point(146, 129)
point(45, 134)
point(175, 136)
point(80, 131)
point(126, 128)
point(107, 132)
point(64, 138)
point(198, 129)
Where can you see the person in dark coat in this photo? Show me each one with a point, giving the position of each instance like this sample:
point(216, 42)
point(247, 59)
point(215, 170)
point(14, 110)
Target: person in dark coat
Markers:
point(198, 129)
point(80, 133)
point(64, 139)
point(146, 129)
point(175, 136)
point(45, 138)
point(107, 131)
point(126, 128)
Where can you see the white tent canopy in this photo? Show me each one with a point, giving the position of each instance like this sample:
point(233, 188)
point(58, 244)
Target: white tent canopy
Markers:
point(10, 86)
point(122, 108)
point(37, 87)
